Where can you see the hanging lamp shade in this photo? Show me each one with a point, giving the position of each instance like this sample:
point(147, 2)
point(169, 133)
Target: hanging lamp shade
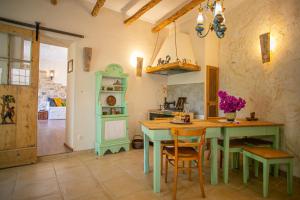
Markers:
point(200, 18)
point(218, 8)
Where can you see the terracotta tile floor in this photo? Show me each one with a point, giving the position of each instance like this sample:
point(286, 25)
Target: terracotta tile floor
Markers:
point(51, 137)
point(120, 176)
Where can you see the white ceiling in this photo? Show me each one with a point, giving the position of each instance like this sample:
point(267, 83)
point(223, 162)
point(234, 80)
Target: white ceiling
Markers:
point(129, 7)
point(162, 9)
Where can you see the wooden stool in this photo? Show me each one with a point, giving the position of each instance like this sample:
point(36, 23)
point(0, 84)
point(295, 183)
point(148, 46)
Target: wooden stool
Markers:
point(267, 157)
point(236, 147)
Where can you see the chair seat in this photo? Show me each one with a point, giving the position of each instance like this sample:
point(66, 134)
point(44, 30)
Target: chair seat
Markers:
point(267, 153)
point(166, 142)
point(182, 152)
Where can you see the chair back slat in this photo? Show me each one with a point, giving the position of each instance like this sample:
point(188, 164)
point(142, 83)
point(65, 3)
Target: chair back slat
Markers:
point(188, 144)
point(194, 137)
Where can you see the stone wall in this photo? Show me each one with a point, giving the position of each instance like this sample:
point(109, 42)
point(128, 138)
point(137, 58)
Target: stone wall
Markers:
point(48, 88)
point(194, 93)
point(271, 89)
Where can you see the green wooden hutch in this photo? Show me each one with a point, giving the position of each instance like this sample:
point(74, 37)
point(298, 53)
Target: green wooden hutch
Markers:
point(111, 110)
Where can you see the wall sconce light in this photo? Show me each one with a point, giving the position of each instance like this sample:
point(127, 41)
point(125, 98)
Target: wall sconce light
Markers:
point(265, 47)
point(139, 66)
point(51, 74)
point(87, 52)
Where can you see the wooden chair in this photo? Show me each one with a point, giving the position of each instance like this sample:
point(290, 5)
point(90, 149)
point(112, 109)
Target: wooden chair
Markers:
point(268, 156)
point(185, 151)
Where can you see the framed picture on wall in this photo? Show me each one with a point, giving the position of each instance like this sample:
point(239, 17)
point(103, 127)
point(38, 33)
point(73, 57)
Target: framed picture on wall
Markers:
point(70, 66)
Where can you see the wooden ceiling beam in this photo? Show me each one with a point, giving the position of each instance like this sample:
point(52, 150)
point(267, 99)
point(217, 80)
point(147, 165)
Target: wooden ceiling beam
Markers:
point(54, 2)
point(99, 4)
point(141, 11)
point(182, 11)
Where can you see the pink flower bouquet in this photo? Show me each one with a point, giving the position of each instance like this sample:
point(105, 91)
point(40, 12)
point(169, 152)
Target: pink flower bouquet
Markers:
point(229, 103)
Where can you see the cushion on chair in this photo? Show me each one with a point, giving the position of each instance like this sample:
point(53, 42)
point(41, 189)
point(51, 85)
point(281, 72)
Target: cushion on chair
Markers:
point(182, 151)
point(267, 153)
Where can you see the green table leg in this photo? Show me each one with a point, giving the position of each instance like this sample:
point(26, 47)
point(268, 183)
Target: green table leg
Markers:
point(235, 160)
point(276, 146)
point(266, 172)
point(214, 161)
point(290, 177)
point(231, 160)
point(226, 158)
point(156, 167)
point(245, 168)
point(146, 154)
point(256, 166)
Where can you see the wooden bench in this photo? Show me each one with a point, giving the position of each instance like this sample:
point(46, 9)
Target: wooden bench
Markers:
point(267, 157)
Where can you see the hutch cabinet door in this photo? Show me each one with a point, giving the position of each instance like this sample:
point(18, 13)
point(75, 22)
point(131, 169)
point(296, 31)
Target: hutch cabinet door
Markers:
point(115, 129)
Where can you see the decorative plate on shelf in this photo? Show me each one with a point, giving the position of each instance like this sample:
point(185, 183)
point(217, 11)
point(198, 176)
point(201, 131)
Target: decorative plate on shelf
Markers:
point(111, 100)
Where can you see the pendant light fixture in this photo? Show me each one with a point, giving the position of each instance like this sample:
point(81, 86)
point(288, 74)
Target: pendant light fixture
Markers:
point(218, 23)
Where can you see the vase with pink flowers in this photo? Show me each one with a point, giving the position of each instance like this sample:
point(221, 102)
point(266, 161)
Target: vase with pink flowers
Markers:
point(230, 104)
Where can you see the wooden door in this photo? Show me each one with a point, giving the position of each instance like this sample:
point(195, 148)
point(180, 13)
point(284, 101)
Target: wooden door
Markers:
point(211, 90)
point(19, 59)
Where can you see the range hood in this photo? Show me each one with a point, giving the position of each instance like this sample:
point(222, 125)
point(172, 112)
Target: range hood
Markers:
point(186, 62)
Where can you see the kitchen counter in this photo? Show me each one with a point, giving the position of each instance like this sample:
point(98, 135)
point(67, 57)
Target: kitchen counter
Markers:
point(165, 114)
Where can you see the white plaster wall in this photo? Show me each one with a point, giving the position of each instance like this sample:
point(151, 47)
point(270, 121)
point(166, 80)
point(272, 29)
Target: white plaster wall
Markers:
point(271, 89)
point(112, 42)
point(186, 78)
point(70, 115)
point(54, 58)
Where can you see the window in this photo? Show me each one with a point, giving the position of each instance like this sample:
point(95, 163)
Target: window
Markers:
point(20, 76)
point(15, 60)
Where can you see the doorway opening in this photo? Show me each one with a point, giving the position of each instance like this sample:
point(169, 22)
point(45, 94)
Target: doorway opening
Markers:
point(52, 96)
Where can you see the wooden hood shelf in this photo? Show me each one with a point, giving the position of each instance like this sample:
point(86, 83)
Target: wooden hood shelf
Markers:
point(172, 68)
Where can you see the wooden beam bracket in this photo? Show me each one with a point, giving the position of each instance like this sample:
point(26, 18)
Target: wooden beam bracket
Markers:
point(54, 2)
point(99, 4)
point(182, 11)
point(141, 11)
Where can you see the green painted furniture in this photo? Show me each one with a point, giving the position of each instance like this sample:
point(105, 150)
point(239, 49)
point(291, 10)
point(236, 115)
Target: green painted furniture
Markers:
point(111, 120)
point(159, 130)
point(267, 157)
point(248, 129)
point(236, 147)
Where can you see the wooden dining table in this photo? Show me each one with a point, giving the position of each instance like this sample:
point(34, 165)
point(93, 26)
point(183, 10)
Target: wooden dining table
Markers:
point(159, 130)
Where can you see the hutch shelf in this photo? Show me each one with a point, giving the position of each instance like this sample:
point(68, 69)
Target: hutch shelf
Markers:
point(111, 110)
